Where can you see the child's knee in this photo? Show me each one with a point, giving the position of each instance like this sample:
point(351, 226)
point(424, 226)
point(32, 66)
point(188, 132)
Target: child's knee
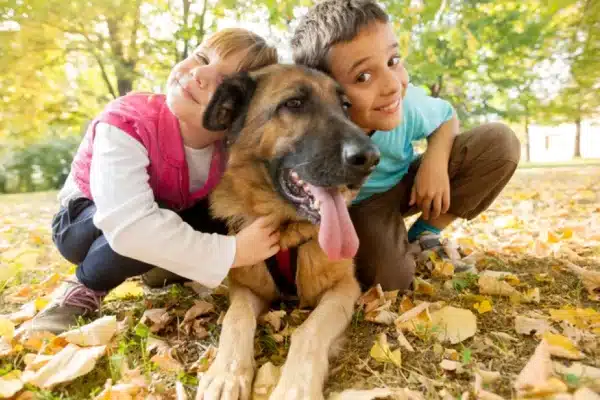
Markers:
point(503, 141)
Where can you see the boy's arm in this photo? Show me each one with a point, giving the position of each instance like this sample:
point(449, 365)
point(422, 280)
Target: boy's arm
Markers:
point(431, 189)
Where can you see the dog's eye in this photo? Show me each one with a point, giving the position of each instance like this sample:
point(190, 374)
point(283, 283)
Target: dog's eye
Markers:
point(346, 105)
point(294, 103)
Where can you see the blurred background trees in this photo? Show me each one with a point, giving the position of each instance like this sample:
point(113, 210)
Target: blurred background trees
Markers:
point(533, 63)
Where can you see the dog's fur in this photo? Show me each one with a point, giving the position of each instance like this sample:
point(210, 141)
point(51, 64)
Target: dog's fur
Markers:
point(268, 129)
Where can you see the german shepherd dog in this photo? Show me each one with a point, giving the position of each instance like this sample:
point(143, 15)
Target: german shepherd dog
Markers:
point(295, 155)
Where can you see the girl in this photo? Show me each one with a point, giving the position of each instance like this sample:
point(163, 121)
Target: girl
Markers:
point(136, 195)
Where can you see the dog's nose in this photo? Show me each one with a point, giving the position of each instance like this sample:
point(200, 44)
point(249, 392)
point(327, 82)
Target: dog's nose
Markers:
point(363, 156)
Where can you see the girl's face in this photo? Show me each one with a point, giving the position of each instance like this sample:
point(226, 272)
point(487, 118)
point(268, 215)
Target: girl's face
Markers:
point(192, 83)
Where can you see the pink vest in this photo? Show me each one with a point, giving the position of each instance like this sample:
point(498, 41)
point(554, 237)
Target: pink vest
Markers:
point(146, 118)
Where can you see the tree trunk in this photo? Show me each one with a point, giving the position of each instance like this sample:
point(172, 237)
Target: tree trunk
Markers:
point(436, 88)
point(528, 138)
point(577, 152)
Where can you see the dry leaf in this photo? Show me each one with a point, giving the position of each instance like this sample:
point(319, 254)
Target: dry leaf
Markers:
point(423, 287)
point(165, 361)
point(125, 290)
point(531, 296)
point(10, 384)
point(454, 324)
point(205, 360)
point(273, 318)
point(391, 295)
point(373, 394)
point(97, 333)
point(265, 381)
point(536, 377)
point(381, 351)
point(488, 377)
point(201, 290)
point(561, 346)
point(159, 318)
point(504, 336)
point(382, 315)
point(404, 342)
point(480, 392)
point(36, 361)
point(442, 269)
point(6, 348)
point(406, 304)
point(25, 313)
point(585, 394)
point(449, 365)
point(199, 308)
point(374, 293)
point(583, 318)
point(7, 329)
point(527, 326)
point(483, 307)
point(415, 319)
point(158, 345)
point(494, 286)
point(70, 363)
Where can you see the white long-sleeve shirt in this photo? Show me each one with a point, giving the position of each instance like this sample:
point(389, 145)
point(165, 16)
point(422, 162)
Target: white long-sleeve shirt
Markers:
point(131, 220)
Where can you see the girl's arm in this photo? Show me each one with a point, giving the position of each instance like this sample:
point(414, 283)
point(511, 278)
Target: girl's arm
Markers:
point(136, 227)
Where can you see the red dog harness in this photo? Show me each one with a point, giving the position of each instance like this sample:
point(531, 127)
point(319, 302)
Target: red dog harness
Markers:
point(282, 267)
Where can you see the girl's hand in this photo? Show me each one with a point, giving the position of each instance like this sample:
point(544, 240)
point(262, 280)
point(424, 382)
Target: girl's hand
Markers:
point(256, 242)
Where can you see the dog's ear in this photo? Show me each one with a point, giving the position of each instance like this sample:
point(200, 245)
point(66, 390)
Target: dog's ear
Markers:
point(229, 103)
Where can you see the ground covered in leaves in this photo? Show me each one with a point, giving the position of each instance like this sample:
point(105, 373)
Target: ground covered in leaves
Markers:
point(526, 325)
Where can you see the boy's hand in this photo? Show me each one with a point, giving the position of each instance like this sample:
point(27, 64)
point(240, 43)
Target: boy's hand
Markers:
point(256, 242)
point(431, 190)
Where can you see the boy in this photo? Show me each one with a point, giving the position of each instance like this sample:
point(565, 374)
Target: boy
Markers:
point(457, 177)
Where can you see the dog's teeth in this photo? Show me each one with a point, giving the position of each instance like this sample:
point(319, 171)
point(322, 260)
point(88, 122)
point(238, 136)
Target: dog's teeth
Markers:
point(300, 182)
point(294, 176)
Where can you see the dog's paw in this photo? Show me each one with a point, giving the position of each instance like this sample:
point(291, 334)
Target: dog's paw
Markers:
point(226, 381)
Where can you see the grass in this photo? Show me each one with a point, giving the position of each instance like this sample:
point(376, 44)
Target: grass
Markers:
point(25, 226)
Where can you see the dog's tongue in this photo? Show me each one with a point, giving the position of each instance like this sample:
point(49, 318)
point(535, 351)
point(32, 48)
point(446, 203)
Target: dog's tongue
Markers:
point(337, 236)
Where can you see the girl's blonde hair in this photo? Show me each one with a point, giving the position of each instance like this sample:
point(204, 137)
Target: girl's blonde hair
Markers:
point(232, 40)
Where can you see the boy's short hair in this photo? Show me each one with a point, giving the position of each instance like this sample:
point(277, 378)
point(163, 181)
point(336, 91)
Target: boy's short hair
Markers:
point(232, 40)
point(328, 23)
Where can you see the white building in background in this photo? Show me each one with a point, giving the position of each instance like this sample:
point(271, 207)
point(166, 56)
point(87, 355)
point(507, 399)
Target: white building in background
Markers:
point(557, 143)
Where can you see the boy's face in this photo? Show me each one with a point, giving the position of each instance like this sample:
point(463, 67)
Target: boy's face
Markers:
point(370, 70)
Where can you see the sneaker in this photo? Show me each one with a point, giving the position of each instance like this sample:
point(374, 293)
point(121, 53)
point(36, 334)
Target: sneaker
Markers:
point(158, 278)
point(432, 246)
point(70, 301)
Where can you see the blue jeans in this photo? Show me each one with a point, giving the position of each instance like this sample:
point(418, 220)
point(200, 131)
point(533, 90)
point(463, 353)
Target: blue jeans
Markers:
point(99, 267)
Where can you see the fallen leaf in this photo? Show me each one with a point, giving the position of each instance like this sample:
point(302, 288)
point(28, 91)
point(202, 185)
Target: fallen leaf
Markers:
point(159, 318)
point(583, 318)
point(449, 365)
point(166, 362)
point(488, 377)
point(205, 360)
point(508, 277)
point(97, 333)
point(480, 392)
point(70, 363)
point(442, 269)
point(36, 361)
point(375, 293)
point(382, 315)
point(265, 381)
point(273, 318)
point(483, 307)
point(10, 384)
point(494, 286)
point(421, 286)
point(25, 313)
point(180, 393)
point(414, 320)
point(528, 326)
point(391, 295)
point(158, 345)
point(561, 346)
point(531, 296)
point(536, 377)
point(404, 342)
point(6, 348)
point(125, 290)
point(199, 308)
point(504, 336)
point(454, 324)
point(7, 329)
point(373, 394)
point(381, 351)
point(585, 394)
point(201, 290)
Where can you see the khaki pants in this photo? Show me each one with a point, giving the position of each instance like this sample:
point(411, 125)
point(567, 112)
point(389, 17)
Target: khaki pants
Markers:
point(481, 163)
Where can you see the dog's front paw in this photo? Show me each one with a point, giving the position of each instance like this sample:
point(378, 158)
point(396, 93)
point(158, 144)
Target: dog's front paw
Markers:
point(226, 381)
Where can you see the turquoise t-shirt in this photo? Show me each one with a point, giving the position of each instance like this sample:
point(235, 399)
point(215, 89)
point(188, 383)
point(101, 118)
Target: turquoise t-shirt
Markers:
point(422, 114)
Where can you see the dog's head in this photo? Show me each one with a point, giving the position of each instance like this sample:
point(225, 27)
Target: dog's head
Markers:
point(292, 122)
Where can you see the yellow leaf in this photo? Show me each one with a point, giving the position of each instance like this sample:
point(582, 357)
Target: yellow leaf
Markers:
point(483, 307)
point(125, 290)
point(40, 303)
point(266, 379)
point(96, 333)
point(10, 384)
point(579, 317)
point(442, 269)
point(381, 351)
point(7, 329)
point(422, 287)
point(561, 346)
point(454, 324)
